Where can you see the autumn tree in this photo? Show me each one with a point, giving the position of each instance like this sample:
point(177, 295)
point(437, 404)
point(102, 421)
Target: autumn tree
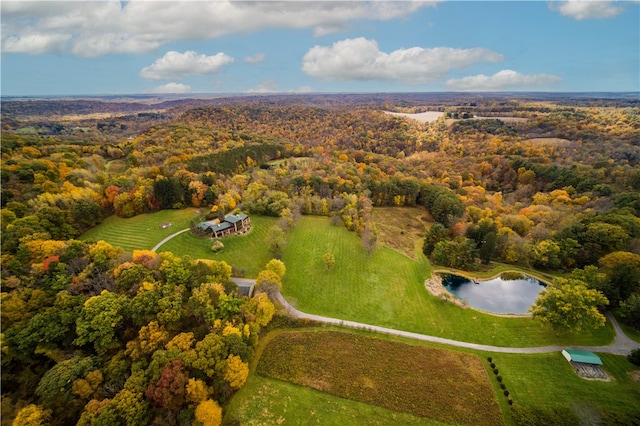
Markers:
point(209, 413)
point(276, 266)
point(329, 261)
point(98, 321)
point(170, 389)
point(568, 306)
point(32, 415)
point(268, 281)
point(237, 372)
point(276, 240)
point(262, 308)
point(623, 275)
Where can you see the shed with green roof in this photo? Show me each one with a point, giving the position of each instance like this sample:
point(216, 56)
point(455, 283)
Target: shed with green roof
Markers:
point(582, 357)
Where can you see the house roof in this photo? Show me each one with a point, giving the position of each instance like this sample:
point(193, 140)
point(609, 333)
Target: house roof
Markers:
point(220, 226)
point(233, 218)
point(581, 356)
point(213, 225)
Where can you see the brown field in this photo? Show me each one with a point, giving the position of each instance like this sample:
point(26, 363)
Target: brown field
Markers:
point(400, 228)
point(447, 386)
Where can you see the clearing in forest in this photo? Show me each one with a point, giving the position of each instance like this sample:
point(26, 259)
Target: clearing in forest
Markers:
point(401, 228)
point(444, 385)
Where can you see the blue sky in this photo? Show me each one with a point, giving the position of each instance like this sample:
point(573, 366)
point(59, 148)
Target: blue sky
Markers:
point(113, 47)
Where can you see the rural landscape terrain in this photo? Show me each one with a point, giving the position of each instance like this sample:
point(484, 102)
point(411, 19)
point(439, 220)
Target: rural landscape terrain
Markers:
point(323, 305)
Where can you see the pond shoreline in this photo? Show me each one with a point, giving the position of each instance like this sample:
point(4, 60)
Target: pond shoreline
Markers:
point(435, 287)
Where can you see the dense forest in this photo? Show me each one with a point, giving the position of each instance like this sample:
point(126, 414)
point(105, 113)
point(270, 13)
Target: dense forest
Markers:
point(92, 334)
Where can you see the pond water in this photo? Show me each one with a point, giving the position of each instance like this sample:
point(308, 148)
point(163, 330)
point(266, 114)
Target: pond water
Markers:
point(506, 294)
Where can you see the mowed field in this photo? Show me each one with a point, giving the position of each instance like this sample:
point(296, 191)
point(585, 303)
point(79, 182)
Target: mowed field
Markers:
point(249, 253)
point(448, 386)
point(387, 289)
point(265, 401)
point(141, 232)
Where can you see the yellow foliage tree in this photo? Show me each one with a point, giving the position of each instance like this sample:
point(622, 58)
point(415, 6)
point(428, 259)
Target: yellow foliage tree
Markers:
point(32, 415)
point(87, 386)
point(209, 413)
point(183, 341)
point(150, 338)
point(264, 309)
point(231, 329)
point(197, 391)
point(237, 371)
point(41, 249)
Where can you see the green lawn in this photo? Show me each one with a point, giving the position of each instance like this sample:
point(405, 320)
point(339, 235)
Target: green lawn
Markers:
point(387, 289)
point(249, 252)
point(548, 381)
point(141, 232)
point(264, 401)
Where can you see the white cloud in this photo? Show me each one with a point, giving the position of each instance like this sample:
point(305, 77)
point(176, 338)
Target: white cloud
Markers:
point(175, 65)
point(171, 88)
point(95, 28)
point(37, 43)
point(587, 9)
point(255, 59)
point(266, 86)
point(502, 80)
point(361, 59)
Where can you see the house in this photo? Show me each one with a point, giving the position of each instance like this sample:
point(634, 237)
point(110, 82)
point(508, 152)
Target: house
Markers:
point(231, 224)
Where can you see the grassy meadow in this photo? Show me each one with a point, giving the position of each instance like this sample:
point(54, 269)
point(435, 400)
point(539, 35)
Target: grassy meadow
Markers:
point(387, 289)
point(548, 381)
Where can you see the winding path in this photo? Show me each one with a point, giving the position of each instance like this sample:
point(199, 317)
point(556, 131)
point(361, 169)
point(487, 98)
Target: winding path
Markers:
point(621, 345)
point(157, 246)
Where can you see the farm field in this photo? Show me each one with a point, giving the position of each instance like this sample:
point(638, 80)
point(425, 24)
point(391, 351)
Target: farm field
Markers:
point(445, 385)
point(538, 383)
point(387, 289)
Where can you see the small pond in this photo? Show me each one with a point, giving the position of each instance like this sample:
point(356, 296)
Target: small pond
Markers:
point(509, 293)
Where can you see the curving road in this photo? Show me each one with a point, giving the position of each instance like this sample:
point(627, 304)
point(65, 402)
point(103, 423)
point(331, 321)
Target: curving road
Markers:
point(621, 345)
point(157, 246)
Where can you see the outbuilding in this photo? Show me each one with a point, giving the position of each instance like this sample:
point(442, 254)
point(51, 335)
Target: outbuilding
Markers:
point(582, 357)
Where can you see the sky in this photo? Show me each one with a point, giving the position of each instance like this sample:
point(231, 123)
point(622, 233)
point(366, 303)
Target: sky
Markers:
point(222, 47)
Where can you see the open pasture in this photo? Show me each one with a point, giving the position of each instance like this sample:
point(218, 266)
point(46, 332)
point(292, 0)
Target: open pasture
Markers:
point(387, 289)
point(448, 386)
